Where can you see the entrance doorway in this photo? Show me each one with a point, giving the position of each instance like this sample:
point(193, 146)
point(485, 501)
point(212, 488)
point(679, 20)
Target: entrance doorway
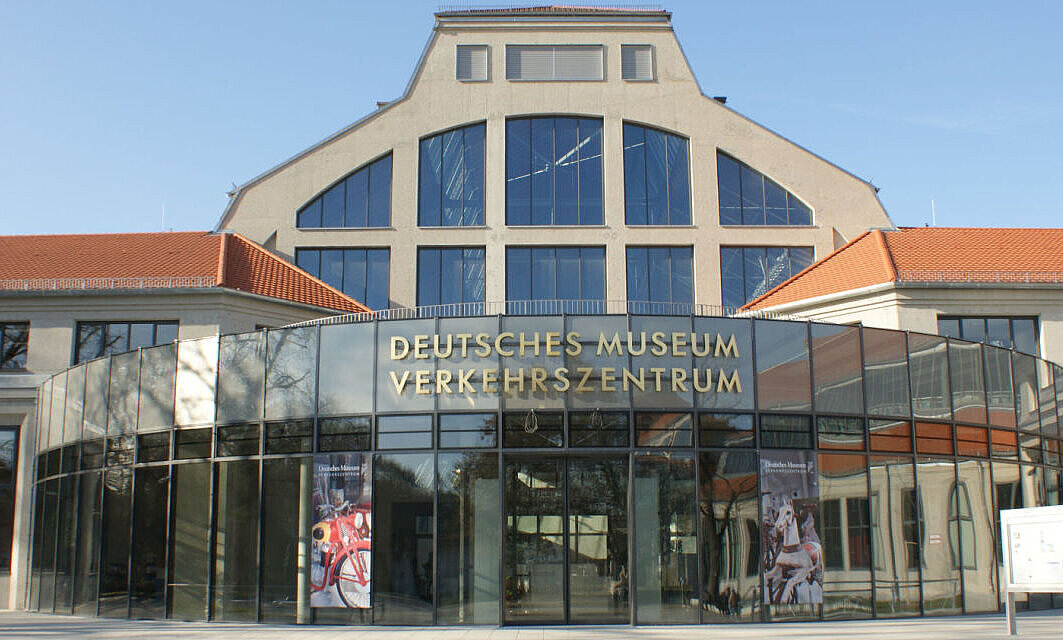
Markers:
point(565, 554)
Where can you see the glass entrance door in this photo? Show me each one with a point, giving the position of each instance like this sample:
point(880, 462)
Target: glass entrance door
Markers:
point(566, 544)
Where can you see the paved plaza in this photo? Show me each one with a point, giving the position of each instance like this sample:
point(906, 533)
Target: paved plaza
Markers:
point(27, 626)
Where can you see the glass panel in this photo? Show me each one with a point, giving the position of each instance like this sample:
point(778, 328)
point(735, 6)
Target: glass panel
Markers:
point(238, 440)
point(64, 544)
point(404, 493)
point(752, 197)
point(518, 172)
point(785, 432)
point(240, 377)
point(971, 524)
point(941, 578)
point(398, 366)
point(158, 368)
point(236, 541)
point(931, 437)
point(344, 388)
point(87, 566)
point(730, 536)
point(197, 371)
point(533, 429)
point(404, 432)
point(886, 372)
point(725, 430)
point(357, 199)
point(468, 564)
point(48, 526)
point(290, 380)
point(998, 387)
point(836, 369)
point(949, 327)
point(75, 399)
point(292, 436)
point(666, 539)
point(597, 429)
point(343, 434)
point(533, 552)
point(930, 376)
point(846, 529)
point(192, 443)
point(968, 388)
point(1024, 332)
point(634, 175)
point(663, 430)
point(895, 537)
point(972, 441)
point(285, 531)
point(189, 542)
point(597, 540)
point(97, 383)
point(782, 366)
point(730, 191)
point(146, 582)
point(1025, 371)
point(114, 556)
point(122, 400)
point(153, 447)
point(474, 176)
point(430, 182)
point(835, 432)
point(468, 430)
point(380, 193)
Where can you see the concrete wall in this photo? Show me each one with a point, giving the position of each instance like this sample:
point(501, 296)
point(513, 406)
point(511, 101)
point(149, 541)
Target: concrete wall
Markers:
point(843, 205)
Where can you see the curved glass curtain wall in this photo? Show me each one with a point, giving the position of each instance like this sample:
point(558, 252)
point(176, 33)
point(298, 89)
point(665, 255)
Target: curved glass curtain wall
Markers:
point(174, 481)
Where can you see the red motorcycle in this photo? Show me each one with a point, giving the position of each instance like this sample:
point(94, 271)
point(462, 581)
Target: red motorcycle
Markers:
point(342, 556)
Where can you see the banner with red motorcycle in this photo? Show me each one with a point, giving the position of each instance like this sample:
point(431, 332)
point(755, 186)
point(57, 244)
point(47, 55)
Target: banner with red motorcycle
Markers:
point(792, 554)
point(341, 538)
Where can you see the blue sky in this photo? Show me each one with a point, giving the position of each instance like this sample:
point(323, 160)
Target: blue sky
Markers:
point(112, 112)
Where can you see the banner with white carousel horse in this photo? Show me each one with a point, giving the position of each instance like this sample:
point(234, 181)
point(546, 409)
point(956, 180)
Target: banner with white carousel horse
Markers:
point(792, 555)
point(341, 538)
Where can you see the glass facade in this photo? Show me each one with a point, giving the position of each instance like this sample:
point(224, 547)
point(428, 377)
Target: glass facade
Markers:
point(451, 186)
point(660, 275)
point(656, 177)
point(554, 171)
point(550, 469)
point(748, 197)
point(748, 272)
point(451, 276)
point(575, 274)
point(363, 274)
point(361, 199)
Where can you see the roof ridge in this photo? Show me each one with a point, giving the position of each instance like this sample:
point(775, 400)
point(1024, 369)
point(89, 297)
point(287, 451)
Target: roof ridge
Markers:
point(800, 274)
point(105, 233)
point(294, 270)
point(887, 256)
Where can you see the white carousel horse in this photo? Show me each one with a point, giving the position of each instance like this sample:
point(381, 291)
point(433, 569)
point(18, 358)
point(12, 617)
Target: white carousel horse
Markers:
point(795, 560)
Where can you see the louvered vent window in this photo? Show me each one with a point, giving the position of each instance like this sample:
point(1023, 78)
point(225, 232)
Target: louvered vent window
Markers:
point(555, 62)
point(636, 62)
point(472, 62)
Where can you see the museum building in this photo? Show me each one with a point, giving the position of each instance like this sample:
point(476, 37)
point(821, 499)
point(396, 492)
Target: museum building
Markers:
point(557, 412)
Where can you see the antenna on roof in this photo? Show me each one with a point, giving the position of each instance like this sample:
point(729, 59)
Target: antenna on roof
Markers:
point(933, 214)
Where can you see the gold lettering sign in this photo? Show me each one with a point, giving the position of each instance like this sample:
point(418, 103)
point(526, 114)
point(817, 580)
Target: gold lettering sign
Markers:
point(555, 344)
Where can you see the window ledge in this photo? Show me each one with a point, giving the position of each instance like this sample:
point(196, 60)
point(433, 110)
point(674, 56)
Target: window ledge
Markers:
point(769, 226)
point(387, 228)
point(557, 226)
point(661, 226)
point(449, 227)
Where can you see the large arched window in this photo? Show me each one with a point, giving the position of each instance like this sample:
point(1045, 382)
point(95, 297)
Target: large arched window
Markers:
point(748, 197)
point(451, 185)
point(554, 171)
point(362, 199)
point(656, 177)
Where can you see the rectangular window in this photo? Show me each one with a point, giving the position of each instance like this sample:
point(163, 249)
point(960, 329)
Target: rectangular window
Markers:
point(472, 62)
point(97, 339)
point(362, 199)
point(451, 276)
point(566, 279)
point(554, 171)
point(451, 184)
point(749, 272)
point(404, 432)
point(555, 62)
point(636, 62)
point(1019, 333)
point(660, 280)
point(363, 274)
point(459, 430)
point(14, 343)
point(656, 177)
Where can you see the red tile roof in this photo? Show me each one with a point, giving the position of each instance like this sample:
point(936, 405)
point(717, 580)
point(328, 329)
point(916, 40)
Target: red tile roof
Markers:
point(554, 9)
point(186, 259)
point(927, 254)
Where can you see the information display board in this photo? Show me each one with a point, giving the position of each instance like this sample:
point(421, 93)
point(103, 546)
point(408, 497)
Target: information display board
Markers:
point(1032, 541)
